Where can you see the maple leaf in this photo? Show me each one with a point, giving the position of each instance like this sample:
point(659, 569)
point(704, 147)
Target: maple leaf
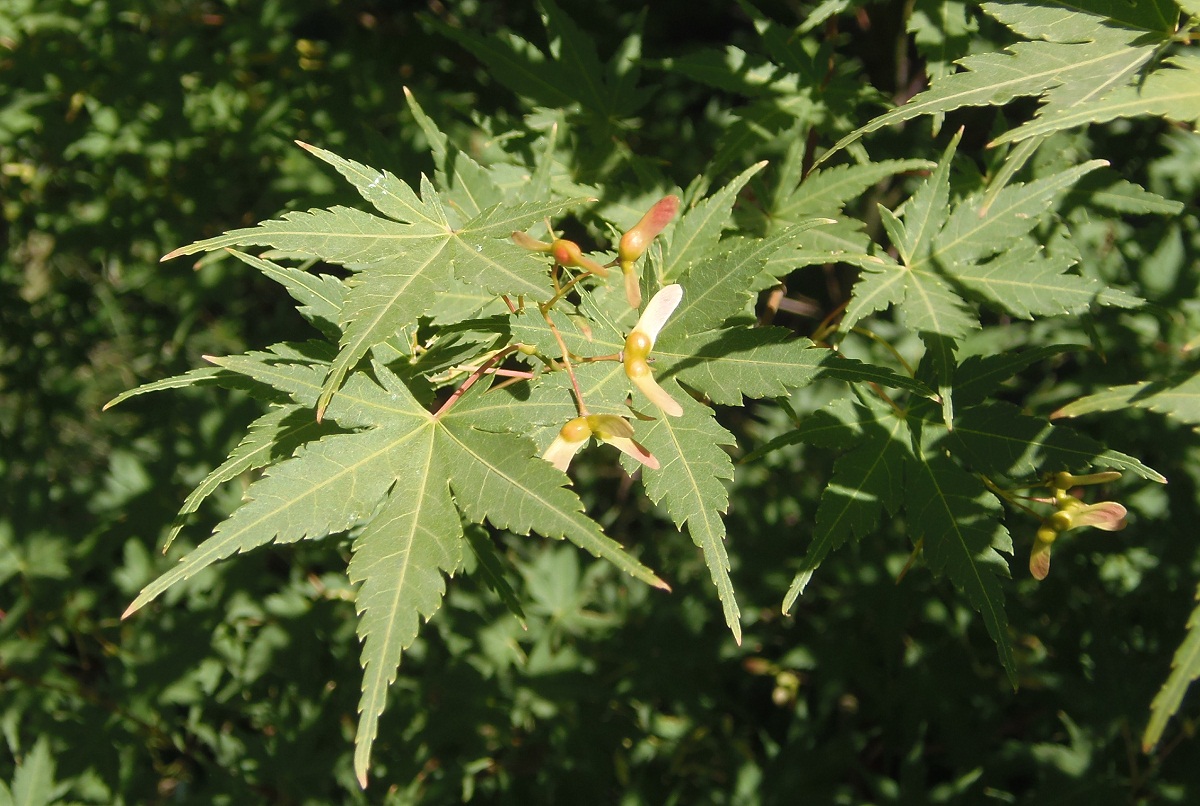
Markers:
point(1085, 66)
point(978, 248)
point(400, 264)
point(1185, 668)
point(403, 478)
point(1177, 398)
point(904, 459)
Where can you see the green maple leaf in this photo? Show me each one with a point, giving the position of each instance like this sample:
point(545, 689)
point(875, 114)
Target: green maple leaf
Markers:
point(914, 287)
point(867, 479)
point(957, 520)
point(1178, 399)
point(690, 485)
point(948, 509)
point(404, 478)
point(997, 439)
point(981, 247)
point(400, 264)
point(1185, 668)
point(1080, 59)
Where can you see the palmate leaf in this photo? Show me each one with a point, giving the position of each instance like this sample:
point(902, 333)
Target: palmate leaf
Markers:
point(400, 266)
point(915, 287)
point(996, 438)
point(866, 480)
point(689, 484)
point(980, 246)
point(396, 478)
point(697, 231)
point(1178, 399)
point(1076, 60)
point(271, 437)
point(957, 520)
point(1185, 668)
point(926, 302)
point(948, 510)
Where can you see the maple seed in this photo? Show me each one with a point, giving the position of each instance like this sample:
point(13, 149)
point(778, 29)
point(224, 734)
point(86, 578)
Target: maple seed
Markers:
point(608, 428)
point(616, 431)
point(634, 243)
point(1071, 513)
point(571, 437)
point(1039, 558)
point(1065, 481)
point(641, 340)
point(528, 242)
point(566, 253)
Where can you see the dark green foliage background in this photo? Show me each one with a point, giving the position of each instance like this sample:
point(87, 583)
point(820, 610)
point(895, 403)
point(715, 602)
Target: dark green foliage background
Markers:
point(129, 128)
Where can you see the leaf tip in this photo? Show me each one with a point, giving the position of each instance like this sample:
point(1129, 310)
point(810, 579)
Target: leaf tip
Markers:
point(129, 611)
point(173, 254)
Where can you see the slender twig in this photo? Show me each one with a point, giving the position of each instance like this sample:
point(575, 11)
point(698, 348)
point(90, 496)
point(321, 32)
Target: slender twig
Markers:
point(589, 359)
point(511, 308)
point(566, 360)
point(562, 292)
point(912, 558)
point(519, 374)
point(1008, 496)
point(886, 398)
point(826, 327)
point(476, 375)
point(887, 346)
